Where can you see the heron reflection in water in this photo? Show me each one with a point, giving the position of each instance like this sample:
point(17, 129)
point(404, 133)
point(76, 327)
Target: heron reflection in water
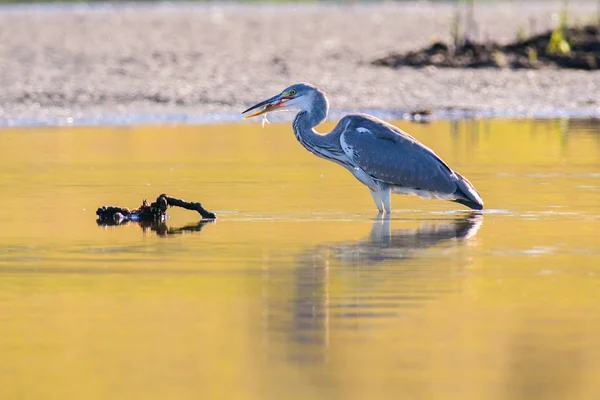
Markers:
point(355, 282)
point(380, 155)
point(384, 244)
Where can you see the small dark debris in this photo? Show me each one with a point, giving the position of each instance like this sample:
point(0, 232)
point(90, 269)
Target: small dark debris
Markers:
point(419, 115)
point(281, 64)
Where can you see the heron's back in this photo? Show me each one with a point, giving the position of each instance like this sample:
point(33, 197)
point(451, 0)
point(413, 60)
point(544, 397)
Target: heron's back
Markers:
point(397, 159)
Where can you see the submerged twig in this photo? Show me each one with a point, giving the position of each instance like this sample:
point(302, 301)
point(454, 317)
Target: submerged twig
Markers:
point(153, 212)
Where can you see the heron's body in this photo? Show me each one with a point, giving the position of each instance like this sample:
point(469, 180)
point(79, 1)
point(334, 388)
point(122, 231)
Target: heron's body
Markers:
point(380, 155)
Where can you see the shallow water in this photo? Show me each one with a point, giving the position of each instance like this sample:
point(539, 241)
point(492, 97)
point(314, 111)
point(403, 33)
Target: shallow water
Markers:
point(298, 291)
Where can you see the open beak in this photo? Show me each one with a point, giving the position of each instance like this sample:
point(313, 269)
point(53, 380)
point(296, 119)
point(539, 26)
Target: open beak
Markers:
point(271, 104)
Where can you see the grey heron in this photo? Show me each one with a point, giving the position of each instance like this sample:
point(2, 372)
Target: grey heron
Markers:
point(380, 155)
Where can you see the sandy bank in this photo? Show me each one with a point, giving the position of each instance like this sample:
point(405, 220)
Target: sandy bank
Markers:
point(193, 59)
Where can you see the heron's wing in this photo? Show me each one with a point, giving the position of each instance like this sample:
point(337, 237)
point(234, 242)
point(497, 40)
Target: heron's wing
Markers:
point(394, 157)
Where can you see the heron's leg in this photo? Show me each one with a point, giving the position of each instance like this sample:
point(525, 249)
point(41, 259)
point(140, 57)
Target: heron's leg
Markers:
point(384, 194)
point(377, 199)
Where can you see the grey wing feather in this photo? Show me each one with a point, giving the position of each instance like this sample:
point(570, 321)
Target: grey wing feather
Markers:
point(394, 157)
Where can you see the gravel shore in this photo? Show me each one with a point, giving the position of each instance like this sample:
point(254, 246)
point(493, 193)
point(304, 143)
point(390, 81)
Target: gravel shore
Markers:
point(84, 62)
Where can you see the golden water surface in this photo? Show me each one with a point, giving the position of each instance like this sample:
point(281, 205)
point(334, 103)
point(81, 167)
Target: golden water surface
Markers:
point(298, 291)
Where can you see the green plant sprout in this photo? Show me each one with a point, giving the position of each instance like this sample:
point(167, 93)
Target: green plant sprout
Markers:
point(558, 44)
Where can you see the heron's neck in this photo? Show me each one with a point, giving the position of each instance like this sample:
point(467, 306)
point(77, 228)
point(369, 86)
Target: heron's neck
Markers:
point(307, 120)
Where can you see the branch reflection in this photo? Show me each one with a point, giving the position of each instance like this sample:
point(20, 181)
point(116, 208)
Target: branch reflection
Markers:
point(161, 228)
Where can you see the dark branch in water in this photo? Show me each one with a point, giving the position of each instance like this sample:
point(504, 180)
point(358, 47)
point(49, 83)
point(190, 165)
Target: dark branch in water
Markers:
point(171, 201)
point(154, 212)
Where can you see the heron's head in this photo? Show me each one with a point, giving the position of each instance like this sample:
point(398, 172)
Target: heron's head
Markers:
point(298, 96)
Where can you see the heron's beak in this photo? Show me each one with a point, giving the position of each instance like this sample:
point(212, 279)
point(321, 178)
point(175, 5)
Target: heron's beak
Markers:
point(271, 104)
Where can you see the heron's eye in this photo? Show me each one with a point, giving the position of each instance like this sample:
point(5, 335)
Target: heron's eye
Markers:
point(292, 92)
